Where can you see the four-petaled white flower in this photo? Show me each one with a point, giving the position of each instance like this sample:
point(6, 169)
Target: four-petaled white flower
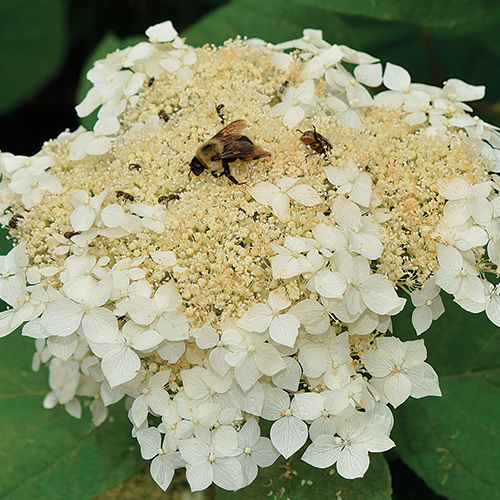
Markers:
point(283, 328)
point(289, 431)
point(428, 306)
point(399, 370)
point(118, 350)
point(207, 465)
point(165, 457)
point(278, 196)
point(351, 181)
point(296, 103)
point(349, 450)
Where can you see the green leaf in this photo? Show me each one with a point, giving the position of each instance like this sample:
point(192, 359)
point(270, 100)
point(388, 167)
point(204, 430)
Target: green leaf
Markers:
point(33, 45)
point(296, 480)
point(46, 454)
point(108, 44)
point(428, 13)
point(453, 442)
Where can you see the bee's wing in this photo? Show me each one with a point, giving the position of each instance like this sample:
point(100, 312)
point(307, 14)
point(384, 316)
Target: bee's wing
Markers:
point(241, 149)
point(234, 128)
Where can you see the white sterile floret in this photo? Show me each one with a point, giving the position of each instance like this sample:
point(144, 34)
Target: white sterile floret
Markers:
point(279, 196)
point(364, 74)
point(398, 81)
point(165, 457)
point(254, 451)
point(207, 386)
point(323, 62)
point(289, 432)
point(313, 315)
point(32, 185)
point(347, 109)
point(86, 209)
point(252, 358)
point(428, 306)
point(162, 312)
point(311, 41)
point(97, 142)
point(208, 338)
point(465, 200)
point(493, 303)
point(161, 32)
point(399, 370)
point(12, 279)
point(83, 305)
point(283, 328)
point(153, 217)
point(316, 408)
point(152, 397)
point(35, 164)
point(179, 63)
point(330, 364)
point(296, 104)
point(330, 239)
point(351, 181)
point(358, 287)
point(356, 437)
point(64, 377)
point(118, 350)
point(363, 233)
point(196, 419)
point(457, 274)
point(289, 262)
point(207, 465)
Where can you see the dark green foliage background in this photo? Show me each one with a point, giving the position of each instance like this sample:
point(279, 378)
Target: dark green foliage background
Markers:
point(452, 442)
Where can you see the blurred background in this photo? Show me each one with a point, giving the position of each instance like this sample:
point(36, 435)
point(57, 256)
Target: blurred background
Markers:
point(46, 46)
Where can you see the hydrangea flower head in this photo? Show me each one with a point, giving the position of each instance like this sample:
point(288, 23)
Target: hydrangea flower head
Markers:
point(249, 286)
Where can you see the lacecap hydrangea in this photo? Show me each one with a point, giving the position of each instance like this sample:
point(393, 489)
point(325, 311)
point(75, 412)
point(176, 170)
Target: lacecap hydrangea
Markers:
point(265, 291)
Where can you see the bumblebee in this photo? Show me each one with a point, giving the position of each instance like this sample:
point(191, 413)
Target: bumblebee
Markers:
point(315, 141)
point(226, 146)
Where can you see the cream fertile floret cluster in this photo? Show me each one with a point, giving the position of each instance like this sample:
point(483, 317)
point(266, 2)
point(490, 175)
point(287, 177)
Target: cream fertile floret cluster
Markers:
point(265, 291)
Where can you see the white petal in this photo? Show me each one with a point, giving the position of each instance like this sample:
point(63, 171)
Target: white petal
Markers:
point(284, 329)
point(288, 435)
point(310, 405)
point(228, 473)
point(257, 319)
point(304, 194)
point(120, 365)
point(161, 472)
point(62, 347)
point(323, 452)
point(62, 317)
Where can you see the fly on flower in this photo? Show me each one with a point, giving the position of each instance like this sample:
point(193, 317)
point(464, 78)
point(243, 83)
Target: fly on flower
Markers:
point(226, 146)
point(315, 141)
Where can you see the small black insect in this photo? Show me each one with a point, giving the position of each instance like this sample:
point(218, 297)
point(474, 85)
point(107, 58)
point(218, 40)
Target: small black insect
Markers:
point(284, 86)
point(162, 115)
point(165, 198)
point(69, 234)
point(135, 166)
point(218, 108)
point(151, 81)
point(15, 220)
point(124, 196)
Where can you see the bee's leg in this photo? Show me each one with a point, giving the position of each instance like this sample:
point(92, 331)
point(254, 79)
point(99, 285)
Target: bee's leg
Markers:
point(227, 173)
